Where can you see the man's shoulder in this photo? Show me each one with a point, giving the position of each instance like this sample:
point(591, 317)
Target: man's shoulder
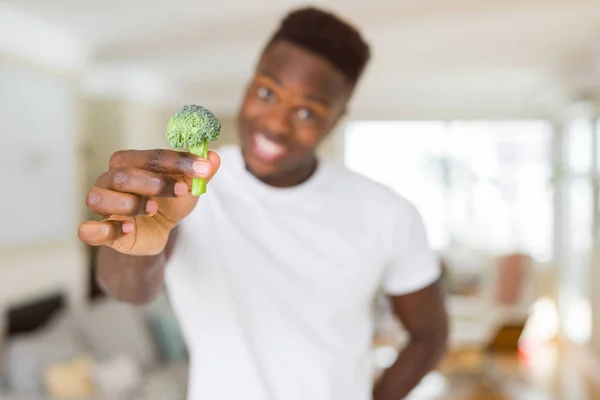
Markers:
point(366, 188)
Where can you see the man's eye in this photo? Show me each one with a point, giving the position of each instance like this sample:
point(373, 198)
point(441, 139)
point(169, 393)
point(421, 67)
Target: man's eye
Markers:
point(306, 114)
point(264, 93)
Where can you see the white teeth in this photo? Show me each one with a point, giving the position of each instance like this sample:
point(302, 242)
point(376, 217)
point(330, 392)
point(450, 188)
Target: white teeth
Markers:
point(268, 147)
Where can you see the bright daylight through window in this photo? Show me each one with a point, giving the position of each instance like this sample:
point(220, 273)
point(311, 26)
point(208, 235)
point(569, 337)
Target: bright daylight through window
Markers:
point(483, 185)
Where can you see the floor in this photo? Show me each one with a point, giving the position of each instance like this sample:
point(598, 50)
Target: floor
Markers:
point(548, 372)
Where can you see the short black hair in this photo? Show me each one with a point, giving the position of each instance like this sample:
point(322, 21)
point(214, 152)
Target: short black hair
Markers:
point(327, 35)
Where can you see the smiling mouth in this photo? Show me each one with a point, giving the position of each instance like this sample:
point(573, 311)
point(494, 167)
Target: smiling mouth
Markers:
point(266, 149)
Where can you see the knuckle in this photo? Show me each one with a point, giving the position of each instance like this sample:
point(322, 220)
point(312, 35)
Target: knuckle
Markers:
point(115, 159)
point(156, 159)
point(107, 231)
point(101, 180)
point(158, 185)
point(184, 161)
point(132, 205)
point(119, 177)
point(93, 199)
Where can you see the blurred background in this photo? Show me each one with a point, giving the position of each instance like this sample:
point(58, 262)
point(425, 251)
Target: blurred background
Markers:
point(484, 114)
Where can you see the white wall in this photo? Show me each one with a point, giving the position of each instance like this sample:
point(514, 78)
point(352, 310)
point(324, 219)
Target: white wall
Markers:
point(595, 302)
point(113, 124)
point(38, 132)
point(40, 171)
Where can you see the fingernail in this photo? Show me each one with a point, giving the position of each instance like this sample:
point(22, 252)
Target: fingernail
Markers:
point(151, 207)
point(201, 167)
point(180, 189)
point(127, 227)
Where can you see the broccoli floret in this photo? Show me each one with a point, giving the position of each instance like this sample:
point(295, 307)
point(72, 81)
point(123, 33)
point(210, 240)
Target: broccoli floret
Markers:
point(193, 127)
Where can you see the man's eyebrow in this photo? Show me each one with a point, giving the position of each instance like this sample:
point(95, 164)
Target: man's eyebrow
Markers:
point(316, 99)
point(271, 76)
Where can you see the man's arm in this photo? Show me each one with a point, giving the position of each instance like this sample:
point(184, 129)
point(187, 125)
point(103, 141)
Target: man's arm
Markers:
point(133, 279)
point(423, 315)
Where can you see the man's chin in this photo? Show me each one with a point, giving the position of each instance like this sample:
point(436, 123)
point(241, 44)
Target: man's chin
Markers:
point(261, 169)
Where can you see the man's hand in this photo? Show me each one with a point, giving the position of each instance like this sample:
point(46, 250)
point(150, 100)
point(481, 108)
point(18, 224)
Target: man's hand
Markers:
point(423, 315)
point(142, 197)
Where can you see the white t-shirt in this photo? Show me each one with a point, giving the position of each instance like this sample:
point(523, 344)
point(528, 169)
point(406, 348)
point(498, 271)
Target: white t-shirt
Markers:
point(274, 287)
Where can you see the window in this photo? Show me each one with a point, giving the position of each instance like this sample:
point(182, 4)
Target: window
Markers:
point(485, 185)
point(578, 213)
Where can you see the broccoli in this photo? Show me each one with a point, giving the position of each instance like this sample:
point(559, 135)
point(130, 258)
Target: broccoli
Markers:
point(193, 127)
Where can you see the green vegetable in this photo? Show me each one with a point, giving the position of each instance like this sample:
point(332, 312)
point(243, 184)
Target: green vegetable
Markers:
point(193, 127)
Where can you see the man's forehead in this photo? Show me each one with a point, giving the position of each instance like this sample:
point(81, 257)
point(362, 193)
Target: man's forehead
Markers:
point(290, 65)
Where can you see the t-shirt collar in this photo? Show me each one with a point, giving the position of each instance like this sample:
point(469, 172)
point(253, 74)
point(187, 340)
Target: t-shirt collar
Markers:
point(313, 184)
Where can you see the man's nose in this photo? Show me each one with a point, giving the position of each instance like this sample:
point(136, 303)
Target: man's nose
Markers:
point(279, 121)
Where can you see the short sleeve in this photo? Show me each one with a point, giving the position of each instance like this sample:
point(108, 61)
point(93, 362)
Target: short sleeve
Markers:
point(413, 264)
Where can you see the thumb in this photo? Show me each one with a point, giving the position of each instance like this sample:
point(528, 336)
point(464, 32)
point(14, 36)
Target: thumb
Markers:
point(107, 232)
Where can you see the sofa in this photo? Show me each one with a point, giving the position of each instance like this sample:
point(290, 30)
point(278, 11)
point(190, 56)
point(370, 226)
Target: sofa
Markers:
point(105, 351)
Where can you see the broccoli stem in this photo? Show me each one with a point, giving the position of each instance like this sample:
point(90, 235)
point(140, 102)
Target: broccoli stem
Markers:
point(199, 184)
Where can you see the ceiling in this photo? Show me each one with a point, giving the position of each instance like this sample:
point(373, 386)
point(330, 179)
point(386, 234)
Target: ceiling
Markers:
point(453, 58)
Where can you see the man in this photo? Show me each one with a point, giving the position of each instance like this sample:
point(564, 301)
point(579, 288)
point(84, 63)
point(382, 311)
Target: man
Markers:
point(273, 272)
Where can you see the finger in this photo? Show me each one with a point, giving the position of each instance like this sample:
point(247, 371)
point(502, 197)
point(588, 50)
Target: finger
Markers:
point(108, 202)
point(164, 161)
point(141, 182)
point(96, 233)
point(214, 160)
